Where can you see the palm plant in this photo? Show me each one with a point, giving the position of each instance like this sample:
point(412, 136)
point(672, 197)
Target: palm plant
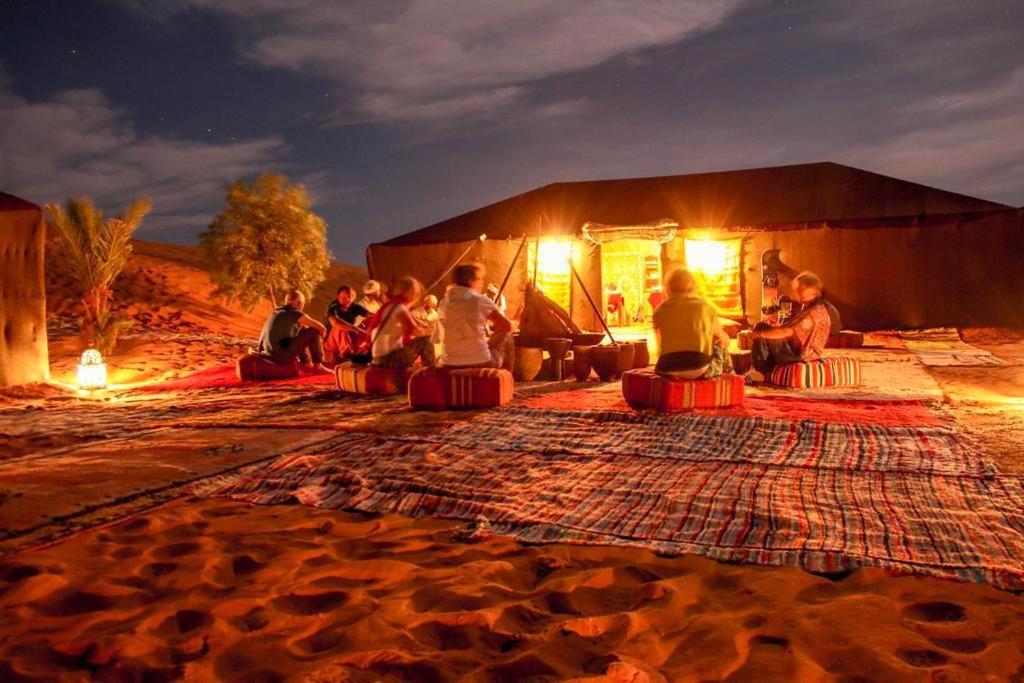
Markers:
point(93, 251)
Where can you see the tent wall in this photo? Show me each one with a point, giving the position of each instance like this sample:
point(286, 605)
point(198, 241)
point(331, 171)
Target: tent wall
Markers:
point(968, 271)
point(23, 348)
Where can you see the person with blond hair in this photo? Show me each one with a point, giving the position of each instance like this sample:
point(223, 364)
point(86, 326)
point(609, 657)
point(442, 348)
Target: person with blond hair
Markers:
point(290, 336)
point(691, 341)
point(397, 338)
point(802, 338)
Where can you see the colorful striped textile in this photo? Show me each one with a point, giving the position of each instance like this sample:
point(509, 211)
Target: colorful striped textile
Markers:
point(720, 438)
point(822, 519)
point(644, 388)
point(444, 389)
point(371, 380)
point(823, 372)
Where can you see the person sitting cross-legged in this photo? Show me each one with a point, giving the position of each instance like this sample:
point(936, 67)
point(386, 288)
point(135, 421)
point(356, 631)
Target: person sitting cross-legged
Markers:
point(691, 341)
point(463, 318)
point(398, 339)
point(345, 336)
point(802, 338)
point(289, 335)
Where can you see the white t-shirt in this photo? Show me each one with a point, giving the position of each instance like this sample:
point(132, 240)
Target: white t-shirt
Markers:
point(371, 305)
point(462, 327)
point(389, 336)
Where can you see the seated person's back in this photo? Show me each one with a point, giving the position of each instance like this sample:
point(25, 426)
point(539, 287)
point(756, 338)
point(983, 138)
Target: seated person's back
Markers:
point(462, 320)
point(691, 340)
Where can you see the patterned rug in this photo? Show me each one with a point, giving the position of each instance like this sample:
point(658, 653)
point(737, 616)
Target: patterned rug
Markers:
point(821, 496)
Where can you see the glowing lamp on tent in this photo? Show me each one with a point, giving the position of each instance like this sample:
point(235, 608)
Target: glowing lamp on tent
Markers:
point(550, 260)
point(92, 371)
point(716, 266)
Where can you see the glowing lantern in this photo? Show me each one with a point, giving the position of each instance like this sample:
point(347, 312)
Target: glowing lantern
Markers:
point(92, 371)
point(551, 259)
point(716, 265)
point(710, 257)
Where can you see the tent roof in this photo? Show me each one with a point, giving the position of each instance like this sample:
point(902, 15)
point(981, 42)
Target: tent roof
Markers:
point(8, 202)
point(800, 193)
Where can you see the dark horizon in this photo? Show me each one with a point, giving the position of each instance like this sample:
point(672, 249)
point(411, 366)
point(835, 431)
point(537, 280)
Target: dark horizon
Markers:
point(398, 116)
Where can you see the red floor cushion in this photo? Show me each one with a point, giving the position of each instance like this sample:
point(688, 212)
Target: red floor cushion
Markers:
point(824, 372)
point(371, 380)
point(847, 339)
point(255, 367)
point(646, 389)
point(445, 389)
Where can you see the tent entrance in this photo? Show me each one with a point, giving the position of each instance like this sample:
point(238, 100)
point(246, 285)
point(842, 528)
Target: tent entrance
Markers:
point(631, 279)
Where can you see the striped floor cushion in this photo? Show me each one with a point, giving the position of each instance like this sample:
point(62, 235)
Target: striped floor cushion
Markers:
point(824, 372)
point(645, 389)
point(254, 367)
point(444, 389)
point(370, 380)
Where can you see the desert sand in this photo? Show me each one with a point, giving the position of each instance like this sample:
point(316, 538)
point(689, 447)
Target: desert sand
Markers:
point(117, 577)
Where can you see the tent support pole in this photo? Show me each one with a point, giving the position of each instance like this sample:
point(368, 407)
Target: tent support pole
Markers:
point(508, 274)
point(454, 263)
point(600, 317)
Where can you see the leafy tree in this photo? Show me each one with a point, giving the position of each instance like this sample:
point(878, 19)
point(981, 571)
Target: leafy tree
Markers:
point(266, 241)
point(93, 251)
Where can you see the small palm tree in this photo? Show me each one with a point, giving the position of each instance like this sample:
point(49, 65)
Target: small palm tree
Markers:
point(93, 251)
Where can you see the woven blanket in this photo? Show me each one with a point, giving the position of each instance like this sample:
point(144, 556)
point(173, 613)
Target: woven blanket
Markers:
point(943, 347)
point(823, 519)
point(714, 438)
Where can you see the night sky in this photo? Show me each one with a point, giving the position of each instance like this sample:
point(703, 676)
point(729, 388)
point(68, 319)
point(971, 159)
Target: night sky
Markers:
point(400, 114)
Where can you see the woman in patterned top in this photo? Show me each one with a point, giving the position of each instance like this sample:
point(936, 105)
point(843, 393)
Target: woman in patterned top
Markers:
point(802, 338)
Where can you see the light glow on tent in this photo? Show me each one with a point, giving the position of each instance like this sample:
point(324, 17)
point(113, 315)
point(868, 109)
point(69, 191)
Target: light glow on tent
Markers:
point(707, 256)
point(553, 257)
point(92, 371)
point(716, 266)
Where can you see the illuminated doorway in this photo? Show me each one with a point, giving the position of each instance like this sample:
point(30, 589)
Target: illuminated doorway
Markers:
point(631, 273)
point(716, 265)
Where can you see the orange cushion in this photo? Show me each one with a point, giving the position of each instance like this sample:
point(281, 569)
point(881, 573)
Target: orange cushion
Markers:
point(371, 380)
point(646, 389)
point(445, 389)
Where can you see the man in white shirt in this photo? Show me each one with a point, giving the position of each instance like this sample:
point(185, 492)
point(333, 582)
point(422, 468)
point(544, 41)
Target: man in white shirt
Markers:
point(371, 299)
point(462, 320)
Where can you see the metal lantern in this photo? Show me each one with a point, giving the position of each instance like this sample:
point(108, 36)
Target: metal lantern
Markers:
point(92, 371)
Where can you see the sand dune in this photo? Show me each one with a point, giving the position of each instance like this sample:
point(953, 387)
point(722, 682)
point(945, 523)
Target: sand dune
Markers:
point(220, 590)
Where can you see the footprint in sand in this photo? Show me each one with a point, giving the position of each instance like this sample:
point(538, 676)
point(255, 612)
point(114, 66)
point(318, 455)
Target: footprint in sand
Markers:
point(966, 646)
point(931, 612)
point(313, 603)
point(922, 659)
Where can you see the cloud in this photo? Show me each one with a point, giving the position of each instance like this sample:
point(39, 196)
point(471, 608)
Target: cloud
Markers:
point(77, 143)
point(432, 59)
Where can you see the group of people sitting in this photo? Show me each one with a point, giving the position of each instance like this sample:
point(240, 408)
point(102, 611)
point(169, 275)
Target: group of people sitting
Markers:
point(467, 325)
point(693, 344)
point(471, 330)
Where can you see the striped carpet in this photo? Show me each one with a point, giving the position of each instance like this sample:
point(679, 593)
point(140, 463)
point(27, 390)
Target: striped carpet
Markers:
point(821, 496)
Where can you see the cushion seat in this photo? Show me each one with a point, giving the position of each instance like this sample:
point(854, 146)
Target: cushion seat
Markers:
point(823, 372)
point(446, 389)
point(371, 380)
point(644, 388)
point(256, 367)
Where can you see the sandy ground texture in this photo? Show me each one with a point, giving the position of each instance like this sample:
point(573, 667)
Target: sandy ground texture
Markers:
point(109, 570)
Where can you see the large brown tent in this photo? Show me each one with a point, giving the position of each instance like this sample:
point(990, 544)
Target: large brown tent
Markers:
point(893, 253)
point(23, 350)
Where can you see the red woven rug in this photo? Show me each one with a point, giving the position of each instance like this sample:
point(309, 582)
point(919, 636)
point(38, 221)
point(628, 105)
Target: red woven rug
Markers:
point(224, 376)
